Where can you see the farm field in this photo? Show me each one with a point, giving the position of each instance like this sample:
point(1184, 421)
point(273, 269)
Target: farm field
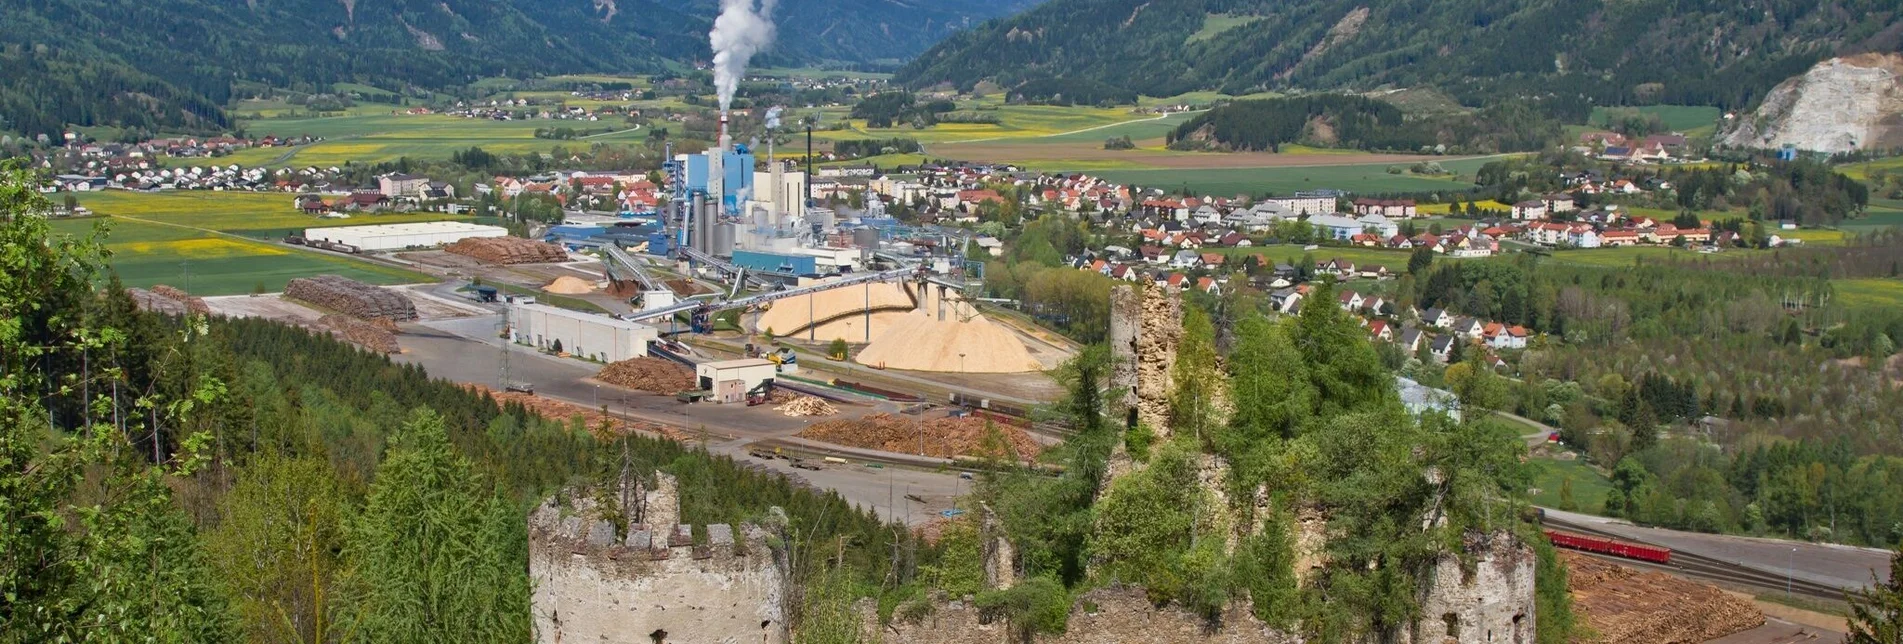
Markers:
point(263, 215)
point(1873, 292)
point(1680, 118)
point(1365, 175)
point(387, 137)
point(1016, 122)
point(144, 254)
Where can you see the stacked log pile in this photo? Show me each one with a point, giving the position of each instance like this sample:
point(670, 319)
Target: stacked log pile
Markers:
point(944, 437)
point(378, 335)
point(1621, 605)
point(351, 297)
point(154, 303)
point(649, 374)
point(196, 304)
point(508, 250)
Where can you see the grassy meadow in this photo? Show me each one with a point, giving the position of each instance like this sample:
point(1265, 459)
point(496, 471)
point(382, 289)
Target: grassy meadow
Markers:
point(145, 254)
point(387, 137)
point(1284, 180)
point(267, 215)
point(1678, 118)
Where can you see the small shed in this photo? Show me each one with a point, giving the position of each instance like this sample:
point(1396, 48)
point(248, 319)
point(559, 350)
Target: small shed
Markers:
point(749, 373)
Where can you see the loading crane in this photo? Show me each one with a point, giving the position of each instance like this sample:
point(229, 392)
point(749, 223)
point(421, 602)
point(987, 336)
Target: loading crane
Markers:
point(757, 279)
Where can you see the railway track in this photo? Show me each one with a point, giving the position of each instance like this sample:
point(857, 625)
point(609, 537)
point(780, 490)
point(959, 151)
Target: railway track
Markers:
point(1707, 568)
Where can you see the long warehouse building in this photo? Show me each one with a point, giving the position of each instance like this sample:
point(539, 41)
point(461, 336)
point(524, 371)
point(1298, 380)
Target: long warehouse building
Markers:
point(425, 234)
point(586, 335)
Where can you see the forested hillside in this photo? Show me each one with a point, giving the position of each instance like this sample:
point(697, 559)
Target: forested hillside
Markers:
point(195, 480)
point(168, 58)
point(1706, 52)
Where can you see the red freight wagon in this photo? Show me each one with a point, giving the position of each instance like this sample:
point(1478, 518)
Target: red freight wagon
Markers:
point(1640, 552)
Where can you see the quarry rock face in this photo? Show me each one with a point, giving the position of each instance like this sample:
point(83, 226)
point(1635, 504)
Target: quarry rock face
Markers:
point(1840, 105)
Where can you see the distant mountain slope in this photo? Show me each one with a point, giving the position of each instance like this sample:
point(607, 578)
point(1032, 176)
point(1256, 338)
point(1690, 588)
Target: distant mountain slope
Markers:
point(1714, 52)
point(168, 51)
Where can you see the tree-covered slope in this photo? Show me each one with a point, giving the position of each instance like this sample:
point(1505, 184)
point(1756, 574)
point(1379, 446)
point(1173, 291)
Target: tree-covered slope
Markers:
point(161, 61)
point(1722, 52)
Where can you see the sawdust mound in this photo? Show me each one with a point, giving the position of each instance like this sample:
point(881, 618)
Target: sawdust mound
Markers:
point(508, 250)
point(788, 316)
point(658, 375)
point(569, 285)
point(1626, 606)
point(350, 297)
point(807, 406)
point(944, 437)
point(921, 342)
point(378, 335)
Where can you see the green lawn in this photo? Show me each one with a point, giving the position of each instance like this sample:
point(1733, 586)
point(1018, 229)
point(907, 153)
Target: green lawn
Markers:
point(145, 254)
point(1550, 474)
point(1679, 118)
point(263, 215)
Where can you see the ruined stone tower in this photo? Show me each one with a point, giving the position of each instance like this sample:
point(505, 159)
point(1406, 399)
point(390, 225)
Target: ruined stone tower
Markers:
point(650, 582)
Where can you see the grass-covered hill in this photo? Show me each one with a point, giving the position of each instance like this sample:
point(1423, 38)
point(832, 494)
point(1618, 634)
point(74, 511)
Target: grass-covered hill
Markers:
point(1704, 52)
point(169, 63)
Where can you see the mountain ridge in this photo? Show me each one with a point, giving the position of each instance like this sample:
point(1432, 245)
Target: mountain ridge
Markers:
point(1689, 51)
point(174, 50)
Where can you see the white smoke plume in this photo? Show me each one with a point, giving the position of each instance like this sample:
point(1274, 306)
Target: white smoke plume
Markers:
point(742, 30)
point(773, 117)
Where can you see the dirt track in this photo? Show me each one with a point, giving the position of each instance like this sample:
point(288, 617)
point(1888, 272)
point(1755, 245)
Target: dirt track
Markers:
point(1165, 159)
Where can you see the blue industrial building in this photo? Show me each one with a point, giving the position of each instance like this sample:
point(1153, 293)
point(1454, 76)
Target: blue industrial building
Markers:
point(737, 165)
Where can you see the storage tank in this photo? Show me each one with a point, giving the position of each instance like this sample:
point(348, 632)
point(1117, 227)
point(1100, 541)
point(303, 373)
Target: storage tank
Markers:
point(723, 239)
point(866, 238)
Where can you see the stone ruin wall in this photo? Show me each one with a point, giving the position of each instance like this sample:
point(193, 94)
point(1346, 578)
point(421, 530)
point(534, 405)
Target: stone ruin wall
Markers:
point(1491, 602)
point(651, 582)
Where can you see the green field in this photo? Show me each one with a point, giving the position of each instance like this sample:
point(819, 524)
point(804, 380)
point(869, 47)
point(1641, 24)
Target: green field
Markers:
point(262, 215)
point(1589, 486)
point(387, 137)
point(1372, 178)
point(1016, 122)
point(1630, 255)
point(1680, 118)
point(1874, 292)
point(1142, 130)
point(145, 254)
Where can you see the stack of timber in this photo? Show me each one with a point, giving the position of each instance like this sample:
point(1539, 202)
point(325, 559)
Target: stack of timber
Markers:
point(351, 297)
point(658, 375)
point(378, 336)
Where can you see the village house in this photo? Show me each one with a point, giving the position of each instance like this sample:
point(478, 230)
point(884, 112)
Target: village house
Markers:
point(1389, 208)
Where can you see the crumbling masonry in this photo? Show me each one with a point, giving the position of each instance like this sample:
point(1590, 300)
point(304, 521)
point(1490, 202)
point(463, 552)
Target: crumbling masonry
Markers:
point(651, 581)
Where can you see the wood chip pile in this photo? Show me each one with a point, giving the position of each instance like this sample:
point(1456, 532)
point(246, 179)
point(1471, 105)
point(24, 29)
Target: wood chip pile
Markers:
point(807, 406)
point(593, 419)
point(1622, 605)
point(508, 250)
point(943, 437)
point(658, 375)
point(351, 297)
point(376, 337)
